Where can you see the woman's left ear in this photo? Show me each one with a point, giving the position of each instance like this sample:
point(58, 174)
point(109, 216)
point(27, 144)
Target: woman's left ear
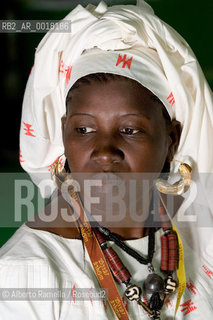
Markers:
point(174, 132)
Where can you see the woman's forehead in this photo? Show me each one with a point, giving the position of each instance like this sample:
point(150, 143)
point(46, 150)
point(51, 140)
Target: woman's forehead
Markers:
point(119, 96)
point(92, 79)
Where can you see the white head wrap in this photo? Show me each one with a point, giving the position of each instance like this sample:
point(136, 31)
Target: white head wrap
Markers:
point(127, 40)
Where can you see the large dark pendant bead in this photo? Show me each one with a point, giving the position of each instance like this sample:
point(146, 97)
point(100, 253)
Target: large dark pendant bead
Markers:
point(153, 283)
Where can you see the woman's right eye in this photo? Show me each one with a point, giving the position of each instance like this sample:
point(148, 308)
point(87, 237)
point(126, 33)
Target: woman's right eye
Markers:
point(85, 130)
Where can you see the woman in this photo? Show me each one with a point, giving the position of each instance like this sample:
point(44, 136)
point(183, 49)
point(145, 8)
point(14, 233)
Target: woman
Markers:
point(130, 85)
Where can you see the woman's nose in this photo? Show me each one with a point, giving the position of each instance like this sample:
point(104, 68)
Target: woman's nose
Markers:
point(107, 155)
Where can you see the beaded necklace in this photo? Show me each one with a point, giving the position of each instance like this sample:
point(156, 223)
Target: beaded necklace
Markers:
point(155, 290)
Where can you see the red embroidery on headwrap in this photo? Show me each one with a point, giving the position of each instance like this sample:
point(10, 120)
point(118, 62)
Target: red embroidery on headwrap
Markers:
point(28, 129)
point(60, 160)
point(20, 157)
point(68, 75)
point(66, 70)
point(191, 287)
point(188, 306)
point(207, 271)
point(125, 62)
point(171, 98)
point(62, 67)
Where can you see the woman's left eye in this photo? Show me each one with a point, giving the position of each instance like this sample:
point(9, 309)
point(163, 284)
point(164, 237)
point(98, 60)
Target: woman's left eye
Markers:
point(129, 131)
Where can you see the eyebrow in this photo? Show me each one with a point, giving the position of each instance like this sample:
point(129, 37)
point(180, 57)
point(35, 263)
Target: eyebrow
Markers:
point(81, 114)
point(124, 115)
point(137, 115)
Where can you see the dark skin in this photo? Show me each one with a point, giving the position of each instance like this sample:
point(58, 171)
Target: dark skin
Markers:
point(116, 126)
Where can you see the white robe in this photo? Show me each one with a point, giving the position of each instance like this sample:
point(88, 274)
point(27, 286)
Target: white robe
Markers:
point(39, 259)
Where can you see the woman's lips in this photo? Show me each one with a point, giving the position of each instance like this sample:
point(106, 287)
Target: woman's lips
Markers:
point(107, 178)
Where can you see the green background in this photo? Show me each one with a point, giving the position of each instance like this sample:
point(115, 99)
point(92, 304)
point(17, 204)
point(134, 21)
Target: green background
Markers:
point(192, 19)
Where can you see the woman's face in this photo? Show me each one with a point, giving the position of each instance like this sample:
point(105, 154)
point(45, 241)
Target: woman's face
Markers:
point(115, 126)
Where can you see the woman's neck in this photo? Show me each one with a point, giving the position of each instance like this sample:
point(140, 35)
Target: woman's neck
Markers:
point(60, 226)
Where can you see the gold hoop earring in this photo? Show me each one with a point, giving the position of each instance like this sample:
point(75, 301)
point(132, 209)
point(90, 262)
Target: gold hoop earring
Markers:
point(58, 171)
point(180, 186)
